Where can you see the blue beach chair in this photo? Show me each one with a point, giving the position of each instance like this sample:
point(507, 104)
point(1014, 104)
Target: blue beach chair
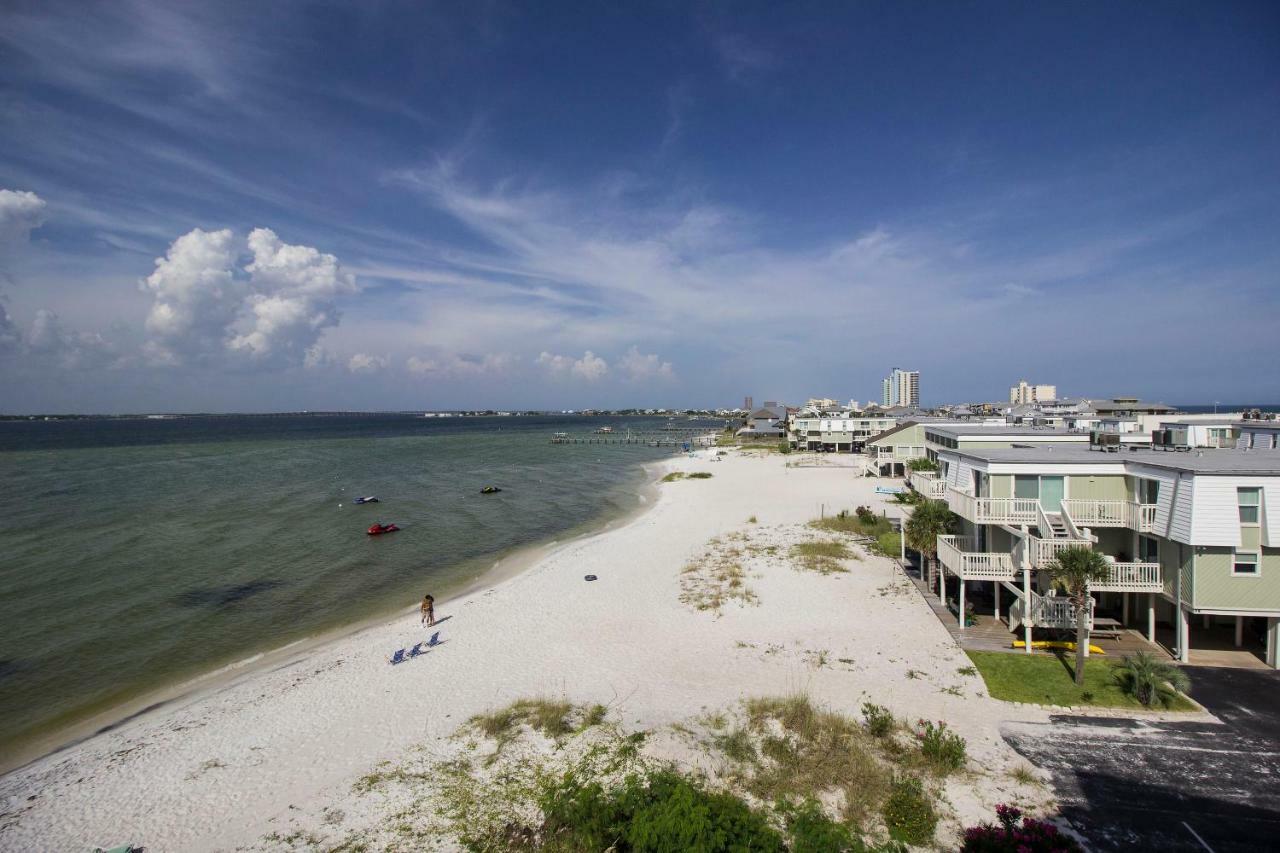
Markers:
point(398, 657)
point(434, 641)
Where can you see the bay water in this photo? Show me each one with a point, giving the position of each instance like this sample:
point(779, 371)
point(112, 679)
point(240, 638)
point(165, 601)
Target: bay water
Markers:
point(136, 554)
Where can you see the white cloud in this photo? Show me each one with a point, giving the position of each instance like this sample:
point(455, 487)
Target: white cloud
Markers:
point(20, 213)
point(48, 341)
point(197, 297)
point(453, 366)
point(10, 337)
point(296, 288)
point(272, 311)
point(639, 366)
point(362, 362)
point(590, 367)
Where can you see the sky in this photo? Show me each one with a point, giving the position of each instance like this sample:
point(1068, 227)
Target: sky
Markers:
point(412, 205)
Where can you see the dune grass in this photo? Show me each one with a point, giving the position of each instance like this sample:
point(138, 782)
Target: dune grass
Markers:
point(1048, 680)
point(682, 475)
point(822, 556)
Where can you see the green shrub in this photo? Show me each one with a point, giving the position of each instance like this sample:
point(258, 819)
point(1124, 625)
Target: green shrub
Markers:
point(811, 831)
point(944, 749)
point(878, 719)
point(784, 446)
point(700, 475)
point(889, 544)
point(922, 464)
point(908, 814)
point(1151, 681)
point(661, 813)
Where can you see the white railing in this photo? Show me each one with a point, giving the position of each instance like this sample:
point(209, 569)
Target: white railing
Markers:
point(1045, 551)
point(992, 510)
point(1096, 513)
point(1111, 513)
point(1054, 611)
point(1132, 577)
point(928, 484)
point(957, 554)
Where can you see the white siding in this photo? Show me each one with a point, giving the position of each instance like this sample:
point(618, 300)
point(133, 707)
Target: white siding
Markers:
point(1217, 515)
point(1173, 507)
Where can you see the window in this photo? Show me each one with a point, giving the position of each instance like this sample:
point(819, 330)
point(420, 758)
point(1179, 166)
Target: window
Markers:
point(1249, 500)
point(1148, 549)
point(1026, 486)
point(1148, 491)
point(1245, 564)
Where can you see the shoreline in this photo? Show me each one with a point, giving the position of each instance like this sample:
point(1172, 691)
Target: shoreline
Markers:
point(280, 751)
point(507, 565)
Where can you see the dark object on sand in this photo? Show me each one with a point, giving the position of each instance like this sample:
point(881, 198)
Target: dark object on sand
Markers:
point(590, 578)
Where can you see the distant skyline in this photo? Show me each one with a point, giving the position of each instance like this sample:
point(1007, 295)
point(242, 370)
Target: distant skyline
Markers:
point(406, 206)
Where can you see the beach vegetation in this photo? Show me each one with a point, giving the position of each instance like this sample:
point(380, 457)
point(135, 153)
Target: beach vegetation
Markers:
point(887, 544)
point(908, 812)
point(822, 556)
point(879, 720)
point(922, 464)
point(1047, 680)
point(752, 520)
point(1016, 834)
point(928, 521)
point(910, 497)
point(554, 718)
point(716, 578)
point(784, 446)
point(865, 523)
point(941, 747)
point(1151, 681)
point(1072, 570)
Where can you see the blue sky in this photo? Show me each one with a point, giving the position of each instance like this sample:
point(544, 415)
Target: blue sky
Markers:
point(292, 205)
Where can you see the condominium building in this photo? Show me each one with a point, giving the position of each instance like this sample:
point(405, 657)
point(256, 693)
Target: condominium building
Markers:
point(901, 388)
point(1192, 540)
point(837, 432)
point(1024, 392)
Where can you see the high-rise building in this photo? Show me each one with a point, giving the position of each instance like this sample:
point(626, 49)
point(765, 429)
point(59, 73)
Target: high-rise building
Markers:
point(901, 388)
point(747, 403)
point(1024, 392)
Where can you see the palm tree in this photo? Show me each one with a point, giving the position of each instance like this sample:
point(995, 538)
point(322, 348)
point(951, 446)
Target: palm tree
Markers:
point(1072, 570)
point(928, 521)
point(1150, 680)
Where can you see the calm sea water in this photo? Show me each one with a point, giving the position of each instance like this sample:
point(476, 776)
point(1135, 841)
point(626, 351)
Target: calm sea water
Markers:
point(136, 554)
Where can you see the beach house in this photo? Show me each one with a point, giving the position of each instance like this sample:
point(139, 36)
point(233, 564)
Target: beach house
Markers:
point(1192, 539)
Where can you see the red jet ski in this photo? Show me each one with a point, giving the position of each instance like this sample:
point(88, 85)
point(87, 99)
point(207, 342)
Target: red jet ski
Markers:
point(379, 529)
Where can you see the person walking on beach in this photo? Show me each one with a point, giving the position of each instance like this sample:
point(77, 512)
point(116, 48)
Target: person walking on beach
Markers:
point(428, 610)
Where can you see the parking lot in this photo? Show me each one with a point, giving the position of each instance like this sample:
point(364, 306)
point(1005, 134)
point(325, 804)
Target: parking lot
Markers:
point(1171, 786)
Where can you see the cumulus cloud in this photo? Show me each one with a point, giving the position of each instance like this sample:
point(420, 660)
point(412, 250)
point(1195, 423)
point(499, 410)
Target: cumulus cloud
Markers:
point(197, 297)
point(639, 366)
point(20, 213)
point(590, 367)
point(362, 362)
point(294, 299)
point(50, 342)
point(10, 337)
point(272, 311)
point(454, 366)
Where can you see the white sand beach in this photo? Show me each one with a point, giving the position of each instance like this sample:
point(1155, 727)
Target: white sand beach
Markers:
point(267, 752)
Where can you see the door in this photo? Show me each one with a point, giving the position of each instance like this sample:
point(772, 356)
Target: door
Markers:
point(1052, 491)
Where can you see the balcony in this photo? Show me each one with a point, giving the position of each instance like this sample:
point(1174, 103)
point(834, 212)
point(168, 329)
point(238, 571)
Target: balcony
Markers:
point(992, 510)
point(928, 484)
point(1042, 552)
point(957, 555)
point(1132, 577)
point(1095, 513)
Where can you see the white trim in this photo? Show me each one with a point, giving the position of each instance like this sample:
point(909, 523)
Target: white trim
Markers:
point(1257, 562)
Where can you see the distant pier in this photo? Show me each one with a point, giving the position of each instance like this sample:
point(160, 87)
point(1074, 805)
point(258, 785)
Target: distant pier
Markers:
point(669, 437)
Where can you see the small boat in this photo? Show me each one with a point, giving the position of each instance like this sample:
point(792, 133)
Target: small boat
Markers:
point(604, 430)
point(490, 490)
point(379, 529)
point(367, 499)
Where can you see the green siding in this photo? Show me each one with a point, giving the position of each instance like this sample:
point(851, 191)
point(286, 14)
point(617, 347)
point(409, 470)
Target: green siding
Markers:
point(1218, 589)
point(912, 436)
point(1001, 485)
point(1115, 541)
point(1175, 559)
point(1098, 488)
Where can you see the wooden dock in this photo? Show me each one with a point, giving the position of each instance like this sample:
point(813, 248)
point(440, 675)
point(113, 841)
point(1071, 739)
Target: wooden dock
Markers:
point(667, 438)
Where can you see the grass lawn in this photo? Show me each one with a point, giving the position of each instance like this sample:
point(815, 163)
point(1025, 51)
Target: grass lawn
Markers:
point(1047, 680)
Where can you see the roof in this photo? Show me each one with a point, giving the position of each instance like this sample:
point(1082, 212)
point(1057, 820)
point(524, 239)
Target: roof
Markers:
point(1208, 461)
point(1128, 404)
point(960, 429)
point(775, 411)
